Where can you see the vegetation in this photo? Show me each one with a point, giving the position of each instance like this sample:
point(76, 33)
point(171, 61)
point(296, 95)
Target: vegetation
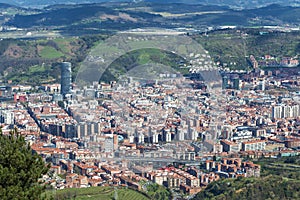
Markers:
point(286, 167)
point(50, 53)
point(95, 193)
point(279, 180)
point(270, 187)
point(153, 191)
point(36, 61)
point(20, 169)
point(158, 192)
point(232, 48)
point(141, 57)
point(88, 18)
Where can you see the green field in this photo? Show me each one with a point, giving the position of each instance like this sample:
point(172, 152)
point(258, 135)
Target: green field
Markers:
point(96, 193)
point(50, 53)
point(36, 69)
point(286, 167)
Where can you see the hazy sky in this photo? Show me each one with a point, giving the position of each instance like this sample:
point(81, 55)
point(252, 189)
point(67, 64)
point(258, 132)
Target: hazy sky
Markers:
point(237, 3)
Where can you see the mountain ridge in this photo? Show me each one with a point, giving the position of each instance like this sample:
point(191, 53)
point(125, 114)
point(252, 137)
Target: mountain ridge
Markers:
point(231, 3)
point(115, 17)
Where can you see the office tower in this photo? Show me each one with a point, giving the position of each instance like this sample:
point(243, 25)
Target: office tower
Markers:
point(224, 82)
point(66, 78)
point(236, 83)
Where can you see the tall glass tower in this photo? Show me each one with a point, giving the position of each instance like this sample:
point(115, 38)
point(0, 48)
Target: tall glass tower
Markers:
point(224, 82)
point(236, 83)
point(66, 78)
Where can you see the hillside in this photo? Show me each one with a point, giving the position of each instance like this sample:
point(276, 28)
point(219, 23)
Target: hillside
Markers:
point(111, 17)
point(35, 61)
point(96, 193)
point(271, 187)
point(153, 191)
point(233, 47)
point(280, 180)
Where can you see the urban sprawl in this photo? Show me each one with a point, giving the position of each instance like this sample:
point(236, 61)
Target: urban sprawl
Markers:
point(174, 131)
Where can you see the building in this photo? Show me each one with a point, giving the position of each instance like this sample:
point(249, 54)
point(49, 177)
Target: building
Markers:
point(262, 85)
point(5, 91)
point(225, 82)
point(276, 112)
point(7, 117)
point(254, 145)
point(283, 111)
point(229, 146)
point(292, 143)
point(236, 83)
point(66, 78)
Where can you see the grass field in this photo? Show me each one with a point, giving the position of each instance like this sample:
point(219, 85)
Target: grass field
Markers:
point(96, 193)
point(50, 53)
point(285, 167)
point(36, 69)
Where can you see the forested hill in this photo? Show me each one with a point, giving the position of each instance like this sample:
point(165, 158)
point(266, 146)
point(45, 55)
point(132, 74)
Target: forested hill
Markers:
point(271, 187)
point(34, 61)
point(279, 181)
point(82, 19)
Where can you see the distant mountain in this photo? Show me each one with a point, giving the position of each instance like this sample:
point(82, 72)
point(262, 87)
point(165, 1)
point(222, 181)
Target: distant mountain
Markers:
point(5, 5)
point(116, 17)
point(230, 3)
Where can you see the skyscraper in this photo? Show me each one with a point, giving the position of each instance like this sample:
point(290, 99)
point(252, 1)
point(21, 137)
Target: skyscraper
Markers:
point(224, 82)
point(236, 83)
point(66, 78)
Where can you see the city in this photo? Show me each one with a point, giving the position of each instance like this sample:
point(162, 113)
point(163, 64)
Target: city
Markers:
point(99, 104)
point(128, 131)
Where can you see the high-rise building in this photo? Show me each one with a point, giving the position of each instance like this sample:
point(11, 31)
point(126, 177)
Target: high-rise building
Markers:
point(66, 78)
point(224, 82)
point(236, 83)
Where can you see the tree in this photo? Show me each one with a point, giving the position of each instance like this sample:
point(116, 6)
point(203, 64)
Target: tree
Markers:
point(20, 169)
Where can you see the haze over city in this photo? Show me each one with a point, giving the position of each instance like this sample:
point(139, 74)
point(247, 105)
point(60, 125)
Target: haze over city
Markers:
point(149, 100)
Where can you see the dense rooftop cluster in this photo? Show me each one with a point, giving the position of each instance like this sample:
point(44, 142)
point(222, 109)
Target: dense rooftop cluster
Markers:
point(185, 133)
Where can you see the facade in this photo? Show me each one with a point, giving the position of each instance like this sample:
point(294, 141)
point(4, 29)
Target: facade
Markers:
point(229, 146)
point(283, 111)
point(254, 145)
point(6, 117)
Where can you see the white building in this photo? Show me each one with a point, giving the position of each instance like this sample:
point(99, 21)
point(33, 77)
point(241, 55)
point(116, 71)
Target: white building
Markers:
point(7, 117)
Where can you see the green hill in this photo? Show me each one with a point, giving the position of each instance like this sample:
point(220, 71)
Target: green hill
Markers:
point(35, 61)
point(20, 59)
point(280, 180)
point(271, 187)
point(234, 47)
point(96, 193)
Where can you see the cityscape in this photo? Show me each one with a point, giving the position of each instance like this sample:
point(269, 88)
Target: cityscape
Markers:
point(162, 131)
